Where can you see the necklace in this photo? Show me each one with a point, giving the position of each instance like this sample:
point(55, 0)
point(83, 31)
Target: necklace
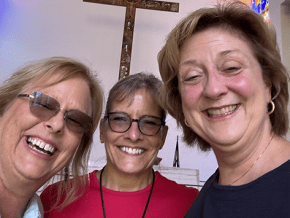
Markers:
point(102, 197)
point(253, 163)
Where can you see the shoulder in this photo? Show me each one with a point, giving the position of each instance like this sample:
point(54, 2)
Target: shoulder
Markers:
point(176, 198)
point(50, 191)
point(49, 195)
point(34, 208)
point(196, 207)
point(172, 187)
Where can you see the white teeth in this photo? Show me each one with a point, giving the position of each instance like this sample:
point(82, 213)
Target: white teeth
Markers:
point(51, 150)
point(132, 150)
point(46, 147)
point(222, 111)
point(36, 143)
point(42, 144)
point(34, 148)
point(123, 148)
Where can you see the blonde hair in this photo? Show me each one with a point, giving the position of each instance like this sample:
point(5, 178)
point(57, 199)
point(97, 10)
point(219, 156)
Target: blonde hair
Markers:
point(65, 68)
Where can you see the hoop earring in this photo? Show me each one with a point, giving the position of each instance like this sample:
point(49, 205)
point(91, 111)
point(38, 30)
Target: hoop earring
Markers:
point(66, 175)
point(186, 123)
point(272, 107)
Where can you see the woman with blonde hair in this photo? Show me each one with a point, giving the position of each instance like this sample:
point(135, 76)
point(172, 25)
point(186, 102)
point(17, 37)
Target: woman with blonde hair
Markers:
point(49, 111)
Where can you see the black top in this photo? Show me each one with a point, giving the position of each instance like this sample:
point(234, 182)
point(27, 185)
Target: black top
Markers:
point(267, 196)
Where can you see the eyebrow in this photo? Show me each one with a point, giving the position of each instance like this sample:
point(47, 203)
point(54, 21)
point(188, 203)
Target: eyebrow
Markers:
point(221, 54)
point(188, 62)
point(225, 53)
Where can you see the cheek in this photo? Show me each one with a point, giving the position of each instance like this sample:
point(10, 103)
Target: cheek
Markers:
point(107, 135)
point(242, 85)
point(73, 142)
point(190, 96)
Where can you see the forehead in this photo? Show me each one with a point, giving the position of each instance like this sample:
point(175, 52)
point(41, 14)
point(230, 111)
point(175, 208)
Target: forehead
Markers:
point(52, 79)
point(128, 100)
point(215, 38)
point(142, 100)
point(73, 87)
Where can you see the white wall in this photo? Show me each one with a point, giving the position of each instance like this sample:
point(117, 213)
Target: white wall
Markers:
point(285, 32)
point(92, 33)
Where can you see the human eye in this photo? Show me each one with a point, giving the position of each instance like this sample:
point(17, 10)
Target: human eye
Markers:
point(118, 118)
point(73, 121)
point(44, 104)
point(191, 75)
point(231, 67)
point(150, 121)
point(191, 78)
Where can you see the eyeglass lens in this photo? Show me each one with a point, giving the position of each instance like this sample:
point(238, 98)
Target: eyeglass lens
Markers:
point(46, 107)
point(121, 122)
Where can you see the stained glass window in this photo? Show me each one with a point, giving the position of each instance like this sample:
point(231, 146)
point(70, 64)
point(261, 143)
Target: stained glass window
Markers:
point(261, 7)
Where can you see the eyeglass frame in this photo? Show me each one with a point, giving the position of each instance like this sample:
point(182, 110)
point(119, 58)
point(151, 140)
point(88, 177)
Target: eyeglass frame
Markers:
point(31, 96)
point(134, 120)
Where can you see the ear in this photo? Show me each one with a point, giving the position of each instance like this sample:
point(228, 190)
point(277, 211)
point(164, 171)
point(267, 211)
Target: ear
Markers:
point(163, 135)
point(102, 125)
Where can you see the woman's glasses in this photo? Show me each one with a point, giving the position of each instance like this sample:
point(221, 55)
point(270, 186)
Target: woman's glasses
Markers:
point(121, 122)
point(45, 107)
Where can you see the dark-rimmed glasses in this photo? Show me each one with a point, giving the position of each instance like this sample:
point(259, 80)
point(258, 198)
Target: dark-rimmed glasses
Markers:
point(46, 107)
point(121, 122)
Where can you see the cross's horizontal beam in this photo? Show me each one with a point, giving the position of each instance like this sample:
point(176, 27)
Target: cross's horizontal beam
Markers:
point(144, 4)
point(131, 6)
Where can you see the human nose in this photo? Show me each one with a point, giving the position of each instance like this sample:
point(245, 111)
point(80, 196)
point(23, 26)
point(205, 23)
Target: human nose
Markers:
point(133, 132)
point(215, 85)
point(56, 123)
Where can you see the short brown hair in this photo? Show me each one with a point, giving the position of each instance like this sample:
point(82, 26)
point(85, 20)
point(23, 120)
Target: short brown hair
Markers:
point(128, 86)
point(237, 18)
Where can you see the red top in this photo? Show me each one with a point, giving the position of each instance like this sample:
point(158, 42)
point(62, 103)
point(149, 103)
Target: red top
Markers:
point(168, 199)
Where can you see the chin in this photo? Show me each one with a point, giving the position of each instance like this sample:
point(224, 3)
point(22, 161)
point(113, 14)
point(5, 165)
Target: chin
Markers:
point(226, 140)
point(133, 170)
point(32, 173)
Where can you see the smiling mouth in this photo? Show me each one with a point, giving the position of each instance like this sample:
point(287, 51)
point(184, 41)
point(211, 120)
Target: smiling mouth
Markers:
point(222, 111)
point(132, 150)
point(40, 146)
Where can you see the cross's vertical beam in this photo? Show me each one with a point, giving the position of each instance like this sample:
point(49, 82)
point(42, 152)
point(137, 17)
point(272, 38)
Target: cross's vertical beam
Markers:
point(127, 41)
point(131, 6)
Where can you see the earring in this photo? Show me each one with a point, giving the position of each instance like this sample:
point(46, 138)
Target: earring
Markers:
point(66, 175)
point(272, 107)
point(186, 123)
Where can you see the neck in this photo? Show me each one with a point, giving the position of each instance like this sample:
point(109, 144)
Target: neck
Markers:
point(241, 163)
point(243, 172)
point(125, 182)
point(12, 204)
point(14, 196)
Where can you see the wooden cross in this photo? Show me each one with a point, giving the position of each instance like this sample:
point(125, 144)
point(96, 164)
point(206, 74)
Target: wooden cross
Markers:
point(131, 6)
